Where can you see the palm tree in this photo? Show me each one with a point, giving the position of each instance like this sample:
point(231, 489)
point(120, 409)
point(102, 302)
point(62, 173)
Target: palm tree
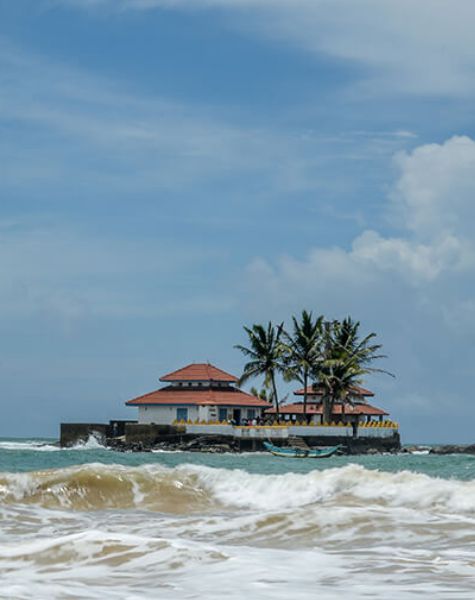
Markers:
point(263, 393)
point(265, 354)
point(346, 358)
point(303, 350)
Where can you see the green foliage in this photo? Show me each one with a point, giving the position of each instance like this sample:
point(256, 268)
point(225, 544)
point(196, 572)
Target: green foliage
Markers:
point(263, 393)
point(345, 359)
point(302, 349)
point(330, 354)
point(265, 354)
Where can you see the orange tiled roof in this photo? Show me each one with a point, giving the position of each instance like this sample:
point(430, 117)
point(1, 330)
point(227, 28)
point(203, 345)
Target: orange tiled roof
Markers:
point(199, 396)
point(356, 390)
point(199, 372)
point(316, 408)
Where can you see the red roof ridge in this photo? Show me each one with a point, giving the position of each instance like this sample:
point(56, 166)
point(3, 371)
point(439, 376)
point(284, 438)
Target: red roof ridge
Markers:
point(199, 372)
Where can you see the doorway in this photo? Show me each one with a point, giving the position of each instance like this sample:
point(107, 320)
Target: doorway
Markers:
point(237, 416)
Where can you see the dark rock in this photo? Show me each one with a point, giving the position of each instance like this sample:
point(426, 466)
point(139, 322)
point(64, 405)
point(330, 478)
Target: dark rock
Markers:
point(453, 449)
point(372, 451)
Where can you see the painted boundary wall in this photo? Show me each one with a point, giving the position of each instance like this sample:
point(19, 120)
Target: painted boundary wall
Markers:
point(320, 431)
point(283, 431)
point(261, 433)
point(329, 431)
point(376, 432)
point(204, 429)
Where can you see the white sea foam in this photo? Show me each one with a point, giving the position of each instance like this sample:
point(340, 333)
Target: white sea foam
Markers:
point(32, 445)
point(99, 563)
point(291, 490)
point(191, 487)
point(338, 533)
point(92, 443)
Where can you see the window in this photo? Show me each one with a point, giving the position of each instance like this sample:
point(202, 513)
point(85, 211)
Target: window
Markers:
point(251, 413)
point(182, 414)
point(223, 414)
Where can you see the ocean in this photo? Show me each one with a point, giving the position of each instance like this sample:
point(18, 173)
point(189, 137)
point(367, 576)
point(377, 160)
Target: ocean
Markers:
point(91, 523)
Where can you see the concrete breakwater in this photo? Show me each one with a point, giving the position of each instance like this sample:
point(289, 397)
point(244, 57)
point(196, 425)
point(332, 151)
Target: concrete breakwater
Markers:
point(133, 436)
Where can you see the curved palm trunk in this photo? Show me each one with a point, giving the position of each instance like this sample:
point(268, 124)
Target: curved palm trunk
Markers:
point(276, 399)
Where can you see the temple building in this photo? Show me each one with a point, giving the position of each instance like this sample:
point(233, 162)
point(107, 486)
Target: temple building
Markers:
point(199, 392)
point(355, 410)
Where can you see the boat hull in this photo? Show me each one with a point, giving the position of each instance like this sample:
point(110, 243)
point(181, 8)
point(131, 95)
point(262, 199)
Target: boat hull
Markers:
point(300, 452)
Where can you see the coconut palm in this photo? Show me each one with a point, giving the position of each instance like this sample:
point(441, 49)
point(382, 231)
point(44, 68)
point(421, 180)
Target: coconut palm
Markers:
point(303, 350)
point(265, 354)
point(345, 360)
point(263, 393)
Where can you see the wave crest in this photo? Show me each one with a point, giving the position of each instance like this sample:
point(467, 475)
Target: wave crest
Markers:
point(191, 488)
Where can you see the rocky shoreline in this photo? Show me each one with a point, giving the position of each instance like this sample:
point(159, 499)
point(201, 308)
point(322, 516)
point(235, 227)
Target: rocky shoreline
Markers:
point(216, 445)
point(202, 444)
point(440, 449)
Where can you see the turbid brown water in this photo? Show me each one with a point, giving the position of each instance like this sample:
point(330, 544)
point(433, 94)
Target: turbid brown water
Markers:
point(78, 525)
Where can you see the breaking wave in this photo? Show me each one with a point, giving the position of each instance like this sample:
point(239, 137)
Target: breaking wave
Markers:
point(191, 488)
point(92, 443)
point(193, 531)
point(32, 445)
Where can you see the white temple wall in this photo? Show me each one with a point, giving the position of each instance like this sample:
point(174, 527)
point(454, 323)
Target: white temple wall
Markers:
point(165, 415)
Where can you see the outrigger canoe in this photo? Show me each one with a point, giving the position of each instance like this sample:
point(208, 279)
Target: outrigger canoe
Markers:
point(301, 452)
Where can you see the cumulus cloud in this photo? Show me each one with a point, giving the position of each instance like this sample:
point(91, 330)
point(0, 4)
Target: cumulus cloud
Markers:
point(434, 200)
point(405, 46)
point(435, 192)
point(415, 288)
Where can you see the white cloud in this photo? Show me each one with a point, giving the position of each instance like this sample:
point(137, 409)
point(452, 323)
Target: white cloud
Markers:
point(124, 140)
point(407, 46)
point(415, 289)
point(411, 260)
point(436, 190)
point(434, 197)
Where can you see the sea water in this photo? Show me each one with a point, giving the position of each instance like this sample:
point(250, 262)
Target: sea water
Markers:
point(91, 523)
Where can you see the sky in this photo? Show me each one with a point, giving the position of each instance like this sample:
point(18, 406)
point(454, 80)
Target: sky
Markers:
point(171, 170)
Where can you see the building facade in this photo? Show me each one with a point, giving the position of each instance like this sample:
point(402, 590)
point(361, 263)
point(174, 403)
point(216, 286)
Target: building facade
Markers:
point(355, 411)
point(198, 393)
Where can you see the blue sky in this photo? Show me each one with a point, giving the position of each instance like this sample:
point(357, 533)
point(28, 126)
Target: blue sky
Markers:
point(171, 170)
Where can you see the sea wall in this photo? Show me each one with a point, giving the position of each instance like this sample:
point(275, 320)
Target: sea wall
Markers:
point(151, 433)
point(72, 434)
point(139, 436)
point(349, 445)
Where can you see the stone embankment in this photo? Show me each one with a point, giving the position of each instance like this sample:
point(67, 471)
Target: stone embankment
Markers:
point(453, 449)
point(442, 449)
point(211, 444)
point(216, 444)
point(135, 437)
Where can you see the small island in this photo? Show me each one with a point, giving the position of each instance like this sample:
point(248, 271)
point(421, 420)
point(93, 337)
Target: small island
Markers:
point(203, 408)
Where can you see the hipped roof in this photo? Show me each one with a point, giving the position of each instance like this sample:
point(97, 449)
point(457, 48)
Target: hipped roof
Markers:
point(200, 372)
point(316, 408)
point(199, 396)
